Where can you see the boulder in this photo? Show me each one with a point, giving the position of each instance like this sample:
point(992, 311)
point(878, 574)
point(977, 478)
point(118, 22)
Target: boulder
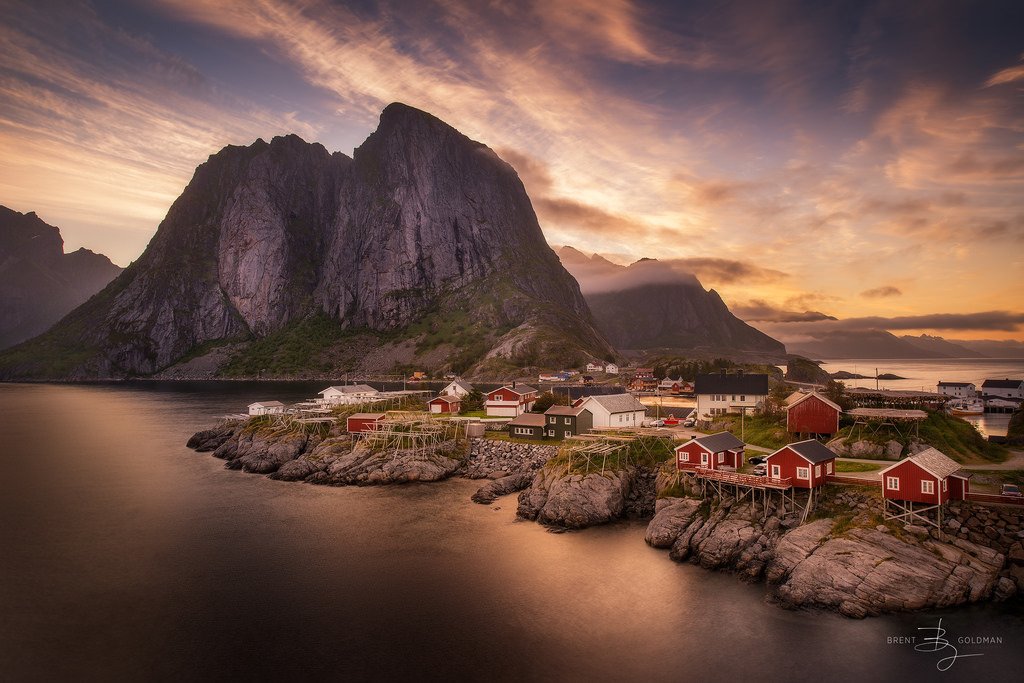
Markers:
point(490, 491)
point(670, 521)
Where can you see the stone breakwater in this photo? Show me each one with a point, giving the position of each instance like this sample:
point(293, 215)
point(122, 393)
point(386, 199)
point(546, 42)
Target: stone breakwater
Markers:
point(843, 563)
point(337, 459)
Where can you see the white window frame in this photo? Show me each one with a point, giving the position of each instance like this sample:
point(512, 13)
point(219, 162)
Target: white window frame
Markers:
point(928, 487)
point(721, 458)
point(817, 471)
point(552, 420)
point(892, 483)
point(945, 485)
point(567, 420)
point(806, 476)
point(704, 458)
point(828, 467)
point(776, 471)
point(684, 456)
point(551, 432)
point(567, 433)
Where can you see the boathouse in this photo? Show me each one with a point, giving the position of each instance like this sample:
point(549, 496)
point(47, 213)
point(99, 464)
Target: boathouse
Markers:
point(712, 452)
point(806, 463)
point(958, 389)
point(363, 422)
point(444, 404)
point(921, 483)
point(266, 408)
point(812, 414)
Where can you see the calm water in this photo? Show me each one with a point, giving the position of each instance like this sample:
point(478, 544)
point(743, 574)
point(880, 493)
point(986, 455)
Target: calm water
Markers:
point(125, 556)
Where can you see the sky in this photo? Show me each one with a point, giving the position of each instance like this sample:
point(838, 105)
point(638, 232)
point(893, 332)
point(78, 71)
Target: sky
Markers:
point(858, 161)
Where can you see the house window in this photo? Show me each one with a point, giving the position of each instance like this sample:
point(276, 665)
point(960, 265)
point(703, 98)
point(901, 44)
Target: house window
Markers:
point(817, 470)
point(927, 486)
point(721, 458)
point(734, 397)
point(684, 456)
point(704, 458)
point(743, 397)
point(567, 420)
point(892, 483)
point(551, 432)
point(828, 468)
point(803, 472)
point(945, 485)
point(552, 420)
point(567, 433)
point(776, 471)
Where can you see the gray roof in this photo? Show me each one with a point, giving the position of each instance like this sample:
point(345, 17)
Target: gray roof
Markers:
point(528, 420)
point(267, 404)
point(1002, 383)
point(811, 450)
point(956, 384)
point(448, 398)
point(466, 386)
point(746, 383)
point(618, 403)
point(352, 389)
point(520, 389)
point(935, 462)
point(564, 410)
point(722, 441)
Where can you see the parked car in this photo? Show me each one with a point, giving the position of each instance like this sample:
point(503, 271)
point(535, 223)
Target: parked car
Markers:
point(760, 470)
point(1012, 490)
point(757, 460)
point(689, 422)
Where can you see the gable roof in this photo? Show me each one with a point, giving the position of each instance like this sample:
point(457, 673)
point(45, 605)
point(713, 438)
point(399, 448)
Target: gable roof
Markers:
point(1002, 383)
point(266, 404)
point(447, 398)
point(755, 384)
point(716, 443)
point(616, 403)
point(816, 395)
point(564, 410)
point(932, 461)
point(520, 389)
point(956, 384)
point(352, 389)
point(528, 420)
point(465, 386)
point(368, 416)
point(811, 450)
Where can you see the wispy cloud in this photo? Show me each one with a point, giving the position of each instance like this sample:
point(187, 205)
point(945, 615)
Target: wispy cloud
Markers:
point(881, 292)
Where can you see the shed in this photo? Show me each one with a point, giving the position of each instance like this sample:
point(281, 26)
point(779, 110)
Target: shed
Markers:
point(806, 464)
point(363, 422)
point(812, 414)
point(444, 404)
point(527, 426)
point(711, 452)
point(266, 408)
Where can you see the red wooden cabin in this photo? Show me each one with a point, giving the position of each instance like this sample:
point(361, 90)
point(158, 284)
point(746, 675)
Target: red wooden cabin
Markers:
point(363, 422)
point(444, 404)
point(712, 452)
point(926, 477)
point(805, 463)
point(511, 400)
point(812, 414)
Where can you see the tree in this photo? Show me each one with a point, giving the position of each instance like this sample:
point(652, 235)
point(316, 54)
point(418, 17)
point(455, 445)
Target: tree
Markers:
point(835, 391)
point(775, 403)
point(472, 402)
point(548, 399)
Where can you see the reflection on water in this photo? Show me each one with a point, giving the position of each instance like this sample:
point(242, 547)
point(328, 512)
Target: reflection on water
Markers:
point(127, 556)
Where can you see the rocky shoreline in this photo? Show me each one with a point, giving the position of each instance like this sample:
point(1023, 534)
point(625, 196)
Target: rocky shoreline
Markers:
point(846, 559)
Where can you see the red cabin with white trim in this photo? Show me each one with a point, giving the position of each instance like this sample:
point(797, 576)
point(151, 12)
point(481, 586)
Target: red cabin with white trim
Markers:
point(716, 451)
point(442, 405)
point(926, 477)
point(363, 422)
point(510, 401)
point(806, 464)
point(812, 414)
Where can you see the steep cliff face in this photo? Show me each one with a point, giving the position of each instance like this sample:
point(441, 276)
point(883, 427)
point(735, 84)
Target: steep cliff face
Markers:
point(646, 305)
point(39, 283)
point(421, 222)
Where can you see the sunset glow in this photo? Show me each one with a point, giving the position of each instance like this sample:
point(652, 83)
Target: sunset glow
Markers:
point(807, 160)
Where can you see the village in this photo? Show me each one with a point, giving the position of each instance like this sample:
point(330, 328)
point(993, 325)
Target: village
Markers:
point(916, 481)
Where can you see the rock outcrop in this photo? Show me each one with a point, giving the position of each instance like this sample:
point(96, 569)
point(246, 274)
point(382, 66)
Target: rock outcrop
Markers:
point(267, 237)
point(39, 283)
point(856, 571)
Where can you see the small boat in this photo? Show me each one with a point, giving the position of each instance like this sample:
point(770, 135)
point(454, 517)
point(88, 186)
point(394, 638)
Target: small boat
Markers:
point(970, 406)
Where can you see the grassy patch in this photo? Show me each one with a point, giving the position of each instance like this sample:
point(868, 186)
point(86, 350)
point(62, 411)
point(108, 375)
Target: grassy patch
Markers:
point(645, 451)
point(844, 466)
point(951, 435)
point(758, 430)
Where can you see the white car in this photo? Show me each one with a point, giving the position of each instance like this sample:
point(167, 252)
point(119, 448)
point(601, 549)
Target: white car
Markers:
point(760, 470)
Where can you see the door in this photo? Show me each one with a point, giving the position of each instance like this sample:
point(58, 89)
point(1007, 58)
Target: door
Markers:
point(703, 459)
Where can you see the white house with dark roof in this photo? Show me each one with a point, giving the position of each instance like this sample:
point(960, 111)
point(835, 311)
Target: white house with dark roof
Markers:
point(614, 410)
point(958, 389)
point(721, 393)
point(1004, 388)
point(457, 387)
point(266, 408)
point(348, 394)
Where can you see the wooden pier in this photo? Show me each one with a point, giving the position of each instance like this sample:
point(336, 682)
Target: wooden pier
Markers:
point(760, 489)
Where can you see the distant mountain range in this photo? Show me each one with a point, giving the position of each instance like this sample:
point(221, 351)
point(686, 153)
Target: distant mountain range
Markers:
point(882, 344)
point(652, 305)
point(39, 283)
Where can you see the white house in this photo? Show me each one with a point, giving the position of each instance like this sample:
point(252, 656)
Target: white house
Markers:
point(348, 394)
point(594, 367)
point(718, 394)
point(958, 389)
point(611, 369)
point(1005, 388)
point(457, 388)
point(266, 408)
point(614, 410)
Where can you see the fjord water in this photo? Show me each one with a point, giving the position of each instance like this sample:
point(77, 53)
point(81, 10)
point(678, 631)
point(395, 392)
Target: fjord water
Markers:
point(125, 556)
